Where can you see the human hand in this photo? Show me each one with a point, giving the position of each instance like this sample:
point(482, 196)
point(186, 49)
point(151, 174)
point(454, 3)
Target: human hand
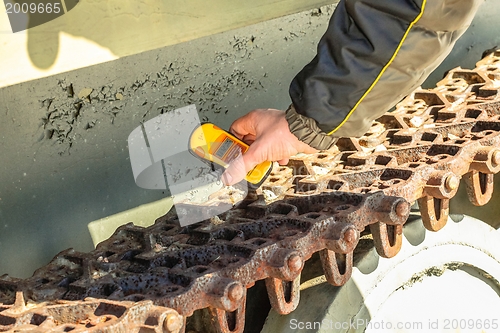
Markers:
point(270, 139)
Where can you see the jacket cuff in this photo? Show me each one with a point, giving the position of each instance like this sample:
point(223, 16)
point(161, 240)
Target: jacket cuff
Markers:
point(306, 130)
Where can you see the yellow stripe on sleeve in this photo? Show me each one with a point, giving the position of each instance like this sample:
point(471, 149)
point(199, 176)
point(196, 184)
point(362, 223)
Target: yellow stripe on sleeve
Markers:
point(383, 69)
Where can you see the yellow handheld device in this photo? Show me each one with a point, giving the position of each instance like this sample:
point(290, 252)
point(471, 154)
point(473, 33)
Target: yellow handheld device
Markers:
point(213, 144)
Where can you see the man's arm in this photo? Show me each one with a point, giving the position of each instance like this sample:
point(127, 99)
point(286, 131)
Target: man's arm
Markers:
point(374, 53)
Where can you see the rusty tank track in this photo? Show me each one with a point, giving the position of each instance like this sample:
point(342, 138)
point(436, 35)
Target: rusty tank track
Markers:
point(89, 315)
point(317, 203)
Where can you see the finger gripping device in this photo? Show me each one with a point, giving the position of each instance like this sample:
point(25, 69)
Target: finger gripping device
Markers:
point(216, 146)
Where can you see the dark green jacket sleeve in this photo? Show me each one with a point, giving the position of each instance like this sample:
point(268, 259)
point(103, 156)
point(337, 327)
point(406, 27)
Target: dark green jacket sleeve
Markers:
point(373, 54)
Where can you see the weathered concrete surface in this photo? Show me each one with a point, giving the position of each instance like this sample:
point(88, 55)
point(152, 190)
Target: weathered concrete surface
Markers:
point(65, 157)
point(96, 31)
